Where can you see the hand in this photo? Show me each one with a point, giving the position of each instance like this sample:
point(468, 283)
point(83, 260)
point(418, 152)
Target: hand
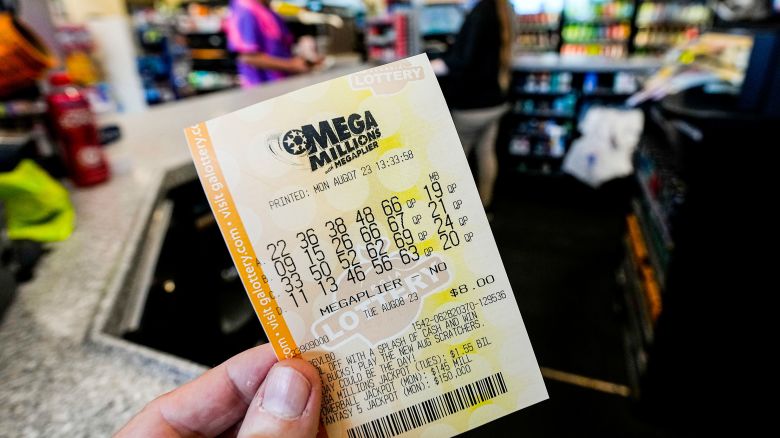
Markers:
point(298, 65)
point(249, 395)
point(317, 61)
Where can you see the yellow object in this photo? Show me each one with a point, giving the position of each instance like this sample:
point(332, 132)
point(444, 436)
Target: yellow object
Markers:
point(81, 69)
point(651, 289)
point(24, 57)
point(37, 206)
point(286, 9)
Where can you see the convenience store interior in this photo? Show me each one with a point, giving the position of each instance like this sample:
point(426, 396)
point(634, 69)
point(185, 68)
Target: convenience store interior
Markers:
point(608, 243)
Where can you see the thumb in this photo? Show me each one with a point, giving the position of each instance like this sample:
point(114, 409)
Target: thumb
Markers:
point(287, 403)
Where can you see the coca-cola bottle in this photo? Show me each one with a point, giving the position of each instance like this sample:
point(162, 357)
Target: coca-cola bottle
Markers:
point(74, 128)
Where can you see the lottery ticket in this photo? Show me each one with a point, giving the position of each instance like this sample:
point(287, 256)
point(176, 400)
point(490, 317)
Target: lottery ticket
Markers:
point(354, 222)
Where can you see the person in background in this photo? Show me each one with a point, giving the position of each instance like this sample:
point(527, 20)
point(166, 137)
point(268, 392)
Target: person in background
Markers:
point(477, 70)
point(263, 42)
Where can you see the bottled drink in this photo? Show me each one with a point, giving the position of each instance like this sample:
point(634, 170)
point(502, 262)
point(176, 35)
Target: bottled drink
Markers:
point(74, 128)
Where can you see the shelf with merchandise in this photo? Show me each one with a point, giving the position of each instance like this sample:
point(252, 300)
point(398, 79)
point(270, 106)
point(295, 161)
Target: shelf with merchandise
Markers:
point(606, 93)
point(532, 147)
point(549, 93)
point(429, 19)
point(613, 50)
point(547, 114)
point(598, 12)
point(550, 106)
point(537, 42)
point(598, 41)
point(380, 41)
point(523, 28)
point(597, 28)
point(638, 328)
point(644, 292)
point(673, 13)
point(668, 25)
point(659, 211)
point(560, 96)
point(537, 32)
point(587, 33)
point(392, 37)
point(599, 21)
point(539, 22)
point(663, 25)
point(658, 251)
point(184, 49)
point(528, 50)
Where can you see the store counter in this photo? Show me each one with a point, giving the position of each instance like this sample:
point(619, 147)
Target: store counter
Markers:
point(58, 375)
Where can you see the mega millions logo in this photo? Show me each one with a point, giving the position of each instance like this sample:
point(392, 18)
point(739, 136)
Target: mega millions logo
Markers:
point(328, 144)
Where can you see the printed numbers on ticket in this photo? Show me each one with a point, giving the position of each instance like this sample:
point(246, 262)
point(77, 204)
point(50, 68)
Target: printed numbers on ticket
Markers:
point(353, 219)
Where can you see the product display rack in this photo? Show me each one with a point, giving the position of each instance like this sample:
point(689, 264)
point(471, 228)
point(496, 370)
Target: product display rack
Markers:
point(650, 243)
point(613, 28)
point(538, 33)
point(595, 28)
point(659, 25)
point(160, 61)
point(648, 248)
point(715, 292)
point(213, 66)
point(388, 38)
point(549, 95)
point(182, 50)
point(411, 29)
point(387, 34)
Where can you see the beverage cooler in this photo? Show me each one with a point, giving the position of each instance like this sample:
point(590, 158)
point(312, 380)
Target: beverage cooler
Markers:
point(608, 28)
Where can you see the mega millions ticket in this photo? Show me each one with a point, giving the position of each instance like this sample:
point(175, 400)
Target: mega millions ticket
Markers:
point(356, 227)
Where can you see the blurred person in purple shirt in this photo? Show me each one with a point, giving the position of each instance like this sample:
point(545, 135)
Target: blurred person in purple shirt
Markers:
point(263, 42)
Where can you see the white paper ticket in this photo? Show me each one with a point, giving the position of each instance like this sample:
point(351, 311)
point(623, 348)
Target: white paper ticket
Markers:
point(353, 219)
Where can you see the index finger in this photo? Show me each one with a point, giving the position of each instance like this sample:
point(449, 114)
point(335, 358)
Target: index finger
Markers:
point(208, 405)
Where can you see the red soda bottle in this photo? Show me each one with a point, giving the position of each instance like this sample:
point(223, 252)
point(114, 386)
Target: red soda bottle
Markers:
point(74, 126)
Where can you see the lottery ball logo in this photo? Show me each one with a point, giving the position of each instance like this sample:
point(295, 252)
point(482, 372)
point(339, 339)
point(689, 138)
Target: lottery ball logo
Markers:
point(327, 144)
point(295, 143)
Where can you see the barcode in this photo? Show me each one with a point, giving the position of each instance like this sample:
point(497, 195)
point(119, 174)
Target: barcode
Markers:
point(432, 409)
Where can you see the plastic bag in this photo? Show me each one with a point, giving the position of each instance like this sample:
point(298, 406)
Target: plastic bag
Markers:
point(37, 206)
point(605, 150)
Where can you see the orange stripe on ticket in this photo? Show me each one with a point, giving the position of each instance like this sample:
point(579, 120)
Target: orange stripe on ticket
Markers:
point(234, 233)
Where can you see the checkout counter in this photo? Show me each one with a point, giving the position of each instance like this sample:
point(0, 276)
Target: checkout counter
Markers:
point(63, 370)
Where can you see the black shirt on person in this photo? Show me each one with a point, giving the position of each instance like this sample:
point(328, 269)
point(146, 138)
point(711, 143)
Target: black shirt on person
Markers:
point(473, 61)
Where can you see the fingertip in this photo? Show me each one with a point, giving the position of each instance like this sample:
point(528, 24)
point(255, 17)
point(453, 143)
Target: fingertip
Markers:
point(312, 375)
point(287, 404)
point(249, 369)
point(309, 371)
point(292, 389)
